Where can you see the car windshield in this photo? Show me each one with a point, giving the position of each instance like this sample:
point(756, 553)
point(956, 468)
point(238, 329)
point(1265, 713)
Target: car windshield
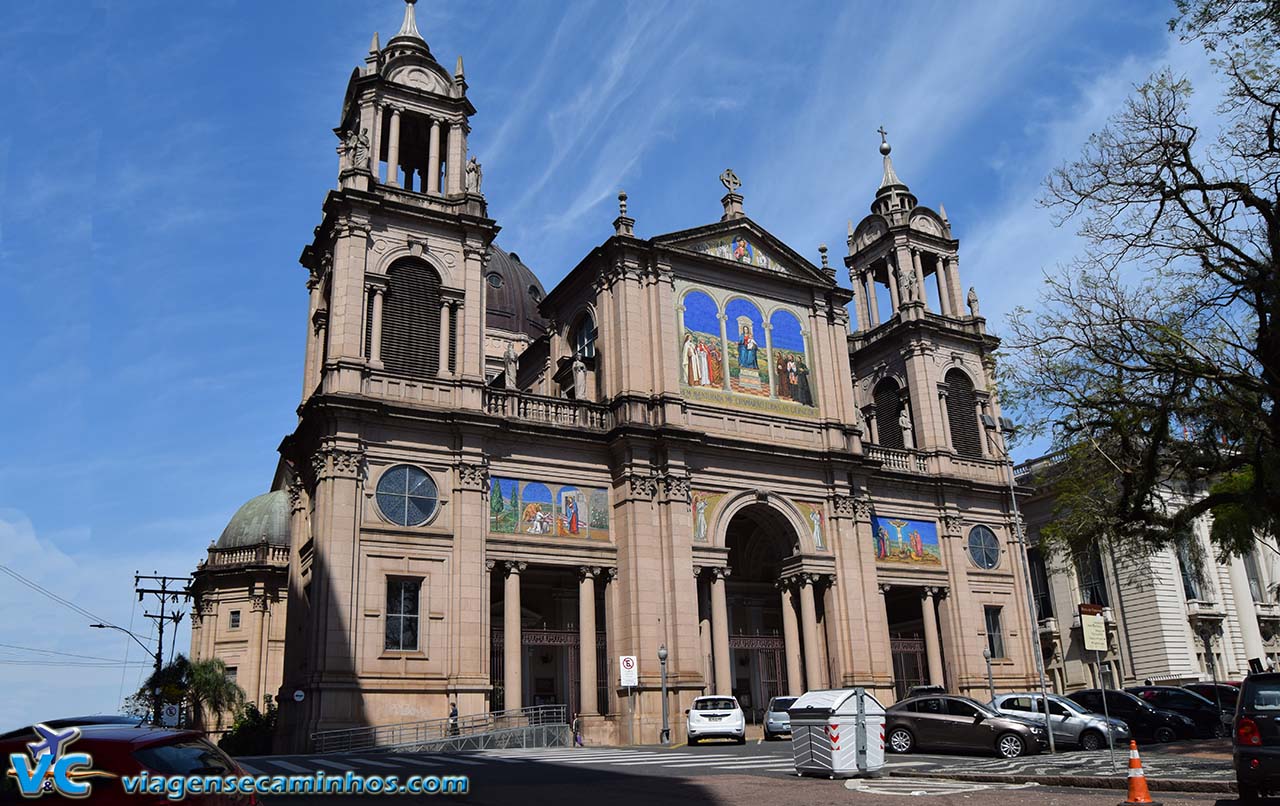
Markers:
point(1068, 705)
point(715, 704)
point(184, 758)
point(781, 703)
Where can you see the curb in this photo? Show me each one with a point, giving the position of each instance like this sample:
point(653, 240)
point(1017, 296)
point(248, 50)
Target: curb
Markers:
point(1080, 781)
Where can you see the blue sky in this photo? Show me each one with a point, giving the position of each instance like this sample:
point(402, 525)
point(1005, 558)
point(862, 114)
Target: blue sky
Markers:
point(164, 163)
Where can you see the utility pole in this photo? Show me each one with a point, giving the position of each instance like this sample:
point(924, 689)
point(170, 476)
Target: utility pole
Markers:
point(167, 592)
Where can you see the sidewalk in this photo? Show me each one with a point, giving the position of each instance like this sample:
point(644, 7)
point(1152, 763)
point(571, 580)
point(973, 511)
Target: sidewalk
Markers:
point(1192, 767)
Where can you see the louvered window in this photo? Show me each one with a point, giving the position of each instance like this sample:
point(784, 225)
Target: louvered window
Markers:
point(411, 320)
point(888, 407)
point(962, 415)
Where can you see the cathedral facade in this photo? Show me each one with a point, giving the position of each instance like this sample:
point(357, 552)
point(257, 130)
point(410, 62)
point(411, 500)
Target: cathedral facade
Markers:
point(492, 496)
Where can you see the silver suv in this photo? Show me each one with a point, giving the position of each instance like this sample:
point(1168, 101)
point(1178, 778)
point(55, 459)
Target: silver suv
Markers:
point(1072, 724)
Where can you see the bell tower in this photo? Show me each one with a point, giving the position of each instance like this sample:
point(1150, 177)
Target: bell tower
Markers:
point(924, 363)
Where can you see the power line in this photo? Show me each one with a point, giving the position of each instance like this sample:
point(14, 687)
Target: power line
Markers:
point(56, 652)
point(63, 663)
point(67, 603)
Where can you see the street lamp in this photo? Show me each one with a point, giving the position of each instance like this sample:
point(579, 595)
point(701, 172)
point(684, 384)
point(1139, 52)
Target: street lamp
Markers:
point(991, 683)
point(666, 727)
point(155, 715)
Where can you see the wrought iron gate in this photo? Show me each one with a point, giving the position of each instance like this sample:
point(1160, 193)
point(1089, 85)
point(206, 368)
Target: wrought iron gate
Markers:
point(909, 663)
point(768, 662)
point(552, 638)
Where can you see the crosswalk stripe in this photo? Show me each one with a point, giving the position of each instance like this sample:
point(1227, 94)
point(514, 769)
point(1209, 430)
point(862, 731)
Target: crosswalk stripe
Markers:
point(333, 765)
point(291, 767)
point(249, 768)
point(377, 763)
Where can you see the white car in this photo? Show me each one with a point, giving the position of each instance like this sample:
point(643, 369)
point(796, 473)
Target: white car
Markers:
point(716, 717)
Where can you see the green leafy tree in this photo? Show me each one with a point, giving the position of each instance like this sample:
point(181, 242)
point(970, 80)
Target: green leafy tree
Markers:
point(1154, 358)
point(203, 685)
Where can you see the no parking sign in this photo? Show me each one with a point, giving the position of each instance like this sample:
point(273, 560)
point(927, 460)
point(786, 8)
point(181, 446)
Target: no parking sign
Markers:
point(629, 671)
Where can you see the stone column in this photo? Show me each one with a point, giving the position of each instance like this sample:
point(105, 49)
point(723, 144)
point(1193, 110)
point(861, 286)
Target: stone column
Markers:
point(720, 632)
point(945, 418)
point(953, 282)
point(375, 145)
point(446, 308)
point(587, 640)
point(944, 288)
point(375, 328)
point(257, 661)
point(791, 640)
point(393, 148)
point(873, 305)
point(932, 647)
point(919, 272)
point(1246, 613)
point(433, 160)
point(512, 651)
point(704, 630)
point(894, 272)
point(809, 626)
point(454, 158)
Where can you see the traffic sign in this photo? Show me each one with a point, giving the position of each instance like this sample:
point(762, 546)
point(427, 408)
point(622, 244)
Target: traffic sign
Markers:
point(630, 671)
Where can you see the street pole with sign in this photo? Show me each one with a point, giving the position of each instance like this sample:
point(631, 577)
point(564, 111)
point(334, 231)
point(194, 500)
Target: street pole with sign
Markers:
point(629, 678)
point(1093, 627)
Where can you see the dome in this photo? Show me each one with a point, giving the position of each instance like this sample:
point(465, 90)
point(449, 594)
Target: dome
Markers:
point(513, 295)
point(261, 519)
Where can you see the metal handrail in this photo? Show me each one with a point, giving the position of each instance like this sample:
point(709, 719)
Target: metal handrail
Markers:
point(412, 734)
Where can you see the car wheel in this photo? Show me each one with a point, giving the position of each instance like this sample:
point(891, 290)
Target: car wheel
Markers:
point(768, 737)
point(1164, 734)
point(742, 739)
point(1247, 794)
point(1010, 745)
point(1092, 740)
point(901, 740)
point(693, 741)
point(1219, 730)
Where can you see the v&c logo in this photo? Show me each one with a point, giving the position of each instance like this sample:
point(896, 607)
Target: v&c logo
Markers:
point(50, 768)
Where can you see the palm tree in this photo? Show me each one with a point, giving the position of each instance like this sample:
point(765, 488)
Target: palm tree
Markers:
point(211, 691)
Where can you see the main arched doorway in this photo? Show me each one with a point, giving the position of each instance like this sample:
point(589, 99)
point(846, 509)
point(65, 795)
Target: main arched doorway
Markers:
point(760, 540)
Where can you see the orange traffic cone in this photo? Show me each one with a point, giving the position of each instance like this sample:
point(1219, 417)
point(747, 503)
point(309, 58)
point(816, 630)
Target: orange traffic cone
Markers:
point(1139, 795)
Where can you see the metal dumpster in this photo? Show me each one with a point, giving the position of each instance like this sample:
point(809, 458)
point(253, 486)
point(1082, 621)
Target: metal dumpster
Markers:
point(838, 733)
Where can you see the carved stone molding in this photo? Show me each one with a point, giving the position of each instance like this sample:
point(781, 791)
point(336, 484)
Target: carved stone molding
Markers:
point(678, 487)
point(259, 603)
point(643, 484)
point(489, 565)
point(473, 476)
point(295, 489)
point(862, 506)
point(952, 525)
point(610, 573)
point(844, 506)
point(720, 571)
point(697, 571)
point(515, 567)
point(885, 588)
point(337, 463)
point(588, 571)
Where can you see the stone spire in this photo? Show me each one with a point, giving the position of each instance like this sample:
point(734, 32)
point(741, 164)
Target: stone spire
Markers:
point(894, 199)
point(890, 178)
point(409, 27)
point(623, 224)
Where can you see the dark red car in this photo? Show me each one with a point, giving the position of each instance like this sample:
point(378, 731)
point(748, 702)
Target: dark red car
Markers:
point(129, 750)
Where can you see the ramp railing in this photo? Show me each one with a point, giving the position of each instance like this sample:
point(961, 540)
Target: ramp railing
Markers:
point(535, 726)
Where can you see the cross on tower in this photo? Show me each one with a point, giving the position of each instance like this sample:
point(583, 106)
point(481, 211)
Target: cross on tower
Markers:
point(884, 135)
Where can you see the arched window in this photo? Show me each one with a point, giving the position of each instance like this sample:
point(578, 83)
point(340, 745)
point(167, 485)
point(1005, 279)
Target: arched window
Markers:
point(583, 336)
point(888, 401)
point(962, 415)
point(411, 319)
point(984, 547)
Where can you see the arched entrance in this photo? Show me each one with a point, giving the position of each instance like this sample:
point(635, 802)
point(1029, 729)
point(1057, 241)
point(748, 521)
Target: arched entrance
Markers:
point(760, 540)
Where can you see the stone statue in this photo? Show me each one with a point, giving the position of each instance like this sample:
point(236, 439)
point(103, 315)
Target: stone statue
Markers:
point(474, 175)
point(579, 377)
point(904, 422)
point(509, 364)
point(973, 302)
point(355, 150)
point(912, 287)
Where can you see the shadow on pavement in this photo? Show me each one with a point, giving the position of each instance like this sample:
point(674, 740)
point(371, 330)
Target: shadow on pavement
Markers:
point(532, 782)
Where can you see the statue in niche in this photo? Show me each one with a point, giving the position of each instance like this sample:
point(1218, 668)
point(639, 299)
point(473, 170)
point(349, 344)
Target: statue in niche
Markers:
point(904, 422)
point(474, 175)
point(355, 149)
point(509, 365)
point(579, 377)
point(973, 302)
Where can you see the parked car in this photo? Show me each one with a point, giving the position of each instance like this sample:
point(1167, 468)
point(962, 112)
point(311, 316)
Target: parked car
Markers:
point(1255, 737)
point(1204, 713)
point(716, 717)
point(958, 723)
point(1146, 722)
point(75, 721)
point(1073, 725)
point(129, 750)
point(776, 719)
point(1225, 693)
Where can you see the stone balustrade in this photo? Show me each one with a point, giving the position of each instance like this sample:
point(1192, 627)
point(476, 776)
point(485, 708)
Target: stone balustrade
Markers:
point(554, 410)
point(261, 554)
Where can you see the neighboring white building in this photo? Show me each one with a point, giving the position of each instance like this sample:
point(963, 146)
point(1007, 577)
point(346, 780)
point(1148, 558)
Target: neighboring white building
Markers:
point(1159, 614)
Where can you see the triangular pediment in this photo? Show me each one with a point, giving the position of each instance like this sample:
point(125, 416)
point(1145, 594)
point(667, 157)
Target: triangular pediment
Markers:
point(747, 244)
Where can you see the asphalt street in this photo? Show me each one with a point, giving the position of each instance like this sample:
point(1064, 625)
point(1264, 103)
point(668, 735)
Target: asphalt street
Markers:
point(710, 773)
